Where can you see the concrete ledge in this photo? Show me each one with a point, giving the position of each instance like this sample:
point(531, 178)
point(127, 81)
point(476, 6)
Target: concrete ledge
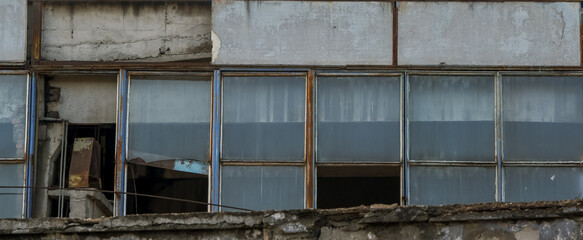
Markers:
point(538, 220)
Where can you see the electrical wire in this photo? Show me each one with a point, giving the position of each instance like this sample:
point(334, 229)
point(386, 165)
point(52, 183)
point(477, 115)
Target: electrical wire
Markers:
point(129, 193)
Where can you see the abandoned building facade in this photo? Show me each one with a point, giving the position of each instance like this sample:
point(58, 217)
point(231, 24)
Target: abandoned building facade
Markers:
point(286, 104)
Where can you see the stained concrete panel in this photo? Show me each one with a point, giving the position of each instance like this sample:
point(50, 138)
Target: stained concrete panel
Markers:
point(85, 98)
point(138, 31)
point(480, 33)
point(12, 31)
point(302, 32)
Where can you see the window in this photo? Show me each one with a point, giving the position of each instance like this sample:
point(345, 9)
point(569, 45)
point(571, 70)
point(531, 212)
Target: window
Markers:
point(263, 122)
point(358, 124)
point(169, 141)
point(451, 120)
point(543, 144)
point(13, 124)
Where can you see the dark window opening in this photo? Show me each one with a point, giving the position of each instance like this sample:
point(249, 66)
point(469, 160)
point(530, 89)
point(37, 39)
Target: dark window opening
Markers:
point(350, 186)
point(143, 179)
point(104, 134)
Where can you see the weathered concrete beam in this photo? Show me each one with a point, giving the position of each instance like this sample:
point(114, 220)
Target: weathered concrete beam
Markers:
point(539, 220)
point(126, 31)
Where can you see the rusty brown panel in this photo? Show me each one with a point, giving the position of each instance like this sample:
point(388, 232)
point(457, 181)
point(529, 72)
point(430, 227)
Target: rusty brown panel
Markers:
point(85, 168)
point(37, 20)
point(395, 33)
point(309, 155)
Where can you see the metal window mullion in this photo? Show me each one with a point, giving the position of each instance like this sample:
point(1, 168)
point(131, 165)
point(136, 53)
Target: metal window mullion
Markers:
point(406, 142)
point(216, 141)
point(30, 143)
point(121, 140)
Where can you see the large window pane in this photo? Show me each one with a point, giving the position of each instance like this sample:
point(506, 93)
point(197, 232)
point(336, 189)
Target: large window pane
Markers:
point(543, 118)
point(263, 118)
point(169, 119)
point(452, 185)
point(542, 183)
point(451, 118)
point(11, 199)
point(358, 119)
point(12, 115)
point(262, 188)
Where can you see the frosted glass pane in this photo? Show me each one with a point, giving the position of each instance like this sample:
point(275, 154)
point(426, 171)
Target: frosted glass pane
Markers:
point(524, 184)
point(12, 115)
point(262, 188)
point(169, 119)
point(263, 118)
point(543, 118)
point(452, 185)
point(11, 199)
point(358, 119)
point(451, 118)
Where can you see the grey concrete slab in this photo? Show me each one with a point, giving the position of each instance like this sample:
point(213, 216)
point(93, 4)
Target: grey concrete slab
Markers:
point(302, 33)
point(12, 31)
point(480, 33)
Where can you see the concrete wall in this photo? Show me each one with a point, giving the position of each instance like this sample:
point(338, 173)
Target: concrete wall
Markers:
point(507, 33)
point(503, 221)
point(302, 33)
point(85, 98)
point(12, 31)
point(138, 31)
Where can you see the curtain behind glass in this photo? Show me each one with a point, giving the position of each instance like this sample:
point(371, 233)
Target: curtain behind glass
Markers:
point(358, 119)
point(12, 115)
point(263, 118)
point(169, 119)
point(543, 118)
point(451, 118)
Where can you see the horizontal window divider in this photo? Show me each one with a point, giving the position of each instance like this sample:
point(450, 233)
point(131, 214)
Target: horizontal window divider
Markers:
point(12, 160)
point(449, 161)
point(240, 163)
point(544, 73)
point(68, 72)
point(347, 164)
point(250, 69)
point(362, 74)
point(165, 74)
point(264, 74)
point(14, 72)
point(542, 164)
point(452, 73)
point(454, 164)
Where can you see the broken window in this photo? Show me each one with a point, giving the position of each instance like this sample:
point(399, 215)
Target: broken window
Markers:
point(263, 123)
point(451, 119)
point(358, 122)
point(542, 125)
point(349, 186)
point(169, 134)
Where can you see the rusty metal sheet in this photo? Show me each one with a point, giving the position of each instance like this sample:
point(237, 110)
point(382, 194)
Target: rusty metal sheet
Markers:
point(85, 167)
